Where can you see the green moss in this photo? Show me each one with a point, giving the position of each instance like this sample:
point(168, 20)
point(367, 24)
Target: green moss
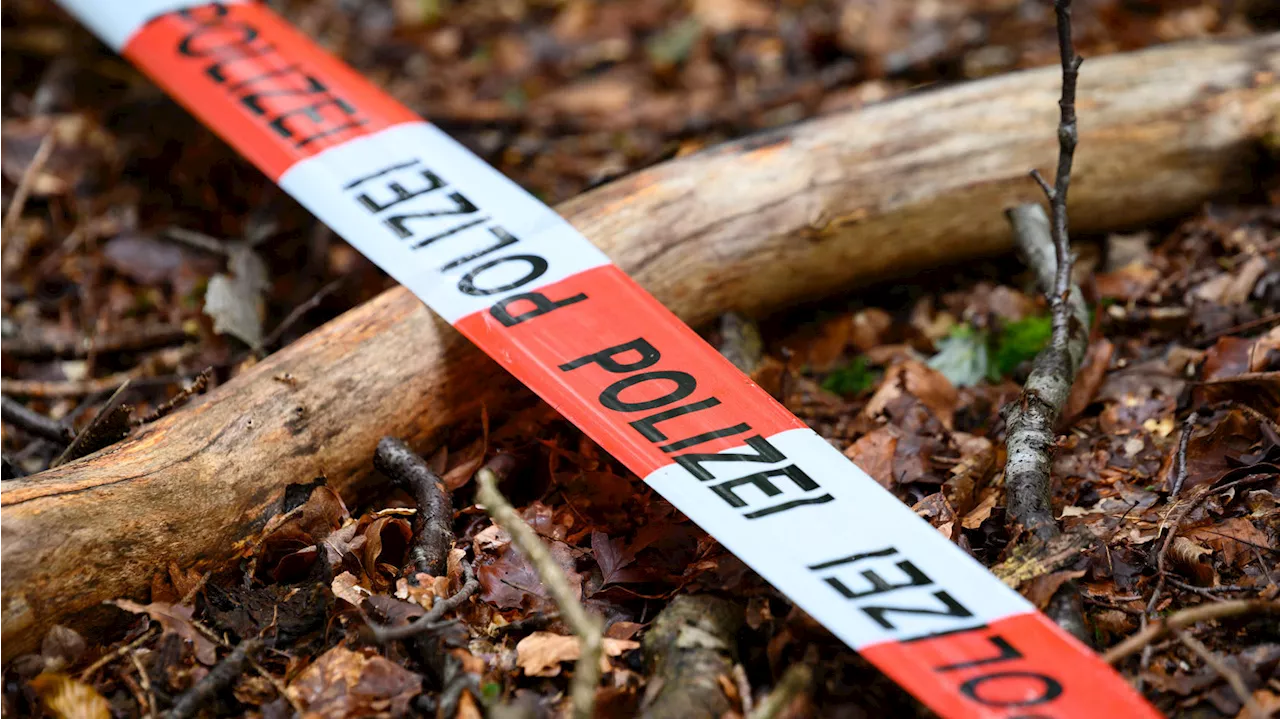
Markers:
point(852, 379)
point(1019, 342)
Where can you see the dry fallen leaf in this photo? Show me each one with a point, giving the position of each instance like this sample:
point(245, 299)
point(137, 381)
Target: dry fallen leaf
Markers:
point(67, 698)
point(177, 620)
point(343, 684)
point(347, 587)
point(1236, 538)
point(541, 653)
point(1039, 590)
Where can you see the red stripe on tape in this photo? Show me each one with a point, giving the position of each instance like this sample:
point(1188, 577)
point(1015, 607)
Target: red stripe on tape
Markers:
point(263, 86)
point(619, 365)
point(1020, 666)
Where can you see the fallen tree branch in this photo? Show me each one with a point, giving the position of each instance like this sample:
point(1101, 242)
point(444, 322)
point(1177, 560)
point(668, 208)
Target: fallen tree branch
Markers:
point(690, 645)
point(217, 681)
point(586, 673)
point(1189, 617)
point(752, 226)
point(434, 522)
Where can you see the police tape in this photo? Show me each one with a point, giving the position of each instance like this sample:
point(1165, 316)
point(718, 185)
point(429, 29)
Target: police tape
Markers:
point(538, 297)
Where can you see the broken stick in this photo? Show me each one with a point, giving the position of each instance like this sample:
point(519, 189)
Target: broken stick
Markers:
point(751, 226)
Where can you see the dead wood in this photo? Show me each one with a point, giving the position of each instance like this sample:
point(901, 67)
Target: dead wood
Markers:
point(691, 644)
point(434, 521)
point(750, 226)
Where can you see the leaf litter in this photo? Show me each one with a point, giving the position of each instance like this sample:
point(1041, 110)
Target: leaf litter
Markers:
point(150, 239)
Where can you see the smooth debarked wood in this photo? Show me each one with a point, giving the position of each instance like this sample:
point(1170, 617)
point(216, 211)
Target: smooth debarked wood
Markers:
point(752, 226)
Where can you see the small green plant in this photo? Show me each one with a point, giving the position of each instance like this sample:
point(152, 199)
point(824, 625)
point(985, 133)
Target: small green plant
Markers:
point(852, 379)
point(1018, 342)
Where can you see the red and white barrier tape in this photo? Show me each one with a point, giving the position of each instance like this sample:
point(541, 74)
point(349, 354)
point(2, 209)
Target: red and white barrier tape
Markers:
point(539, 298)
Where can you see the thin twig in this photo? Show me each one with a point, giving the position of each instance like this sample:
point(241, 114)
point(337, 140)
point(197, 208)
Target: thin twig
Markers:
point(1186, 618)
point(1180, 463)
point(1233, 678)
point(149, 695)
point(430, 551)
point(109, 426)
point(197, 386)
point(120, 651)
point(34, 423)
point(1030, 422)
point(15, 249)
point(586, 675)
point(794, 682)
point(218, 680)
point(297, 313)
point(430, 620)
point(1031, 419)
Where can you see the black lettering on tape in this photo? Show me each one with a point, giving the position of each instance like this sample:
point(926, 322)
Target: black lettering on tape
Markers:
point(1050, 689)
point(427, 241)
point(398, 223)
point(915, 578)
point(218, 71)
point(379, 173)
point(765, 452)
point(337, 129)
point(1007, 652)
point(685, 384)
point(951, 608)
point(648, 426)
point(399, 193)
point(608, 358)
point(505, 239)
point(698, 439)
point(760, 480)
point(886, 552)
point(540, 305)
point(216, 34)
point(537, 267)
point(313, 86)
point(776, 509)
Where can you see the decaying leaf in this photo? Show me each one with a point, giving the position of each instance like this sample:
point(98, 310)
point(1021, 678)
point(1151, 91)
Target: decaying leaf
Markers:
point(67, 698)
point(343, 684)
point(177, 620)
point(1235, 538)
point(540, 653)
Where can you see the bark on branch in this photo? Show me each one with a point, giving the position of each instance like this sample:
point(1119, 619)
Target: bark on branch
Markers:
point(751, 226)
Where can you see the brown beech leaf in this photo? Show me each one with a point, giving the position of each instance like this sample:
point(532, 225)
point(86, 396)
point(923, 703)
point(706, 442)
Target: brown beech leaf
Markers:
point(874, 451)
point(540, 653)
point(386, 548)
point(176, 620)
point(1039, 590)
point(613, 557)
point(1235, 538)
point(343, 683)
point(509, 581)
point(918, 379)
point(1195, 561)
point(67, 698)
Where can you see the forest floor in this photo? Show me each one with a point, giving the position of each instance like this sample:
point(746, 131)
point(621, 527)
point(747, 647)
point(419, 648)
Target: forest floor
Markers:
point(135, 213)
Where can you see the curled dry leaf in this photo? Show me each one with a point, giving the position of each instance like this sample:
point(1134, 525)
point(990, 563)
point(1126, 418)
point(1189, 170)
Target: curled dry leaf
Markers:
point(1194, 560)
point(540, 653)
point(346, 587)
point(1039, 590)
point(343, 684)
point(67, 698)
point(175, 619)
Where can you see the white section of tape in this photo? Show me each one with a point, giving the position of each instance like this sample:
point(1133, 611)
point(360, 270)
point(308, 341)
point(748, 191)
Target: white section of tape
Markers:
point(116, 26)
point(864, 542)
point(444, 224)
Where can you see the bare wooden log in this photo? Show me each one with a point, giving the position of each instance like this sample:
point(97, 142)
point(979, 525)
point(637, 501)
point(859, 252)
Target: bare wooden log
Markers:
point(749, 226)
